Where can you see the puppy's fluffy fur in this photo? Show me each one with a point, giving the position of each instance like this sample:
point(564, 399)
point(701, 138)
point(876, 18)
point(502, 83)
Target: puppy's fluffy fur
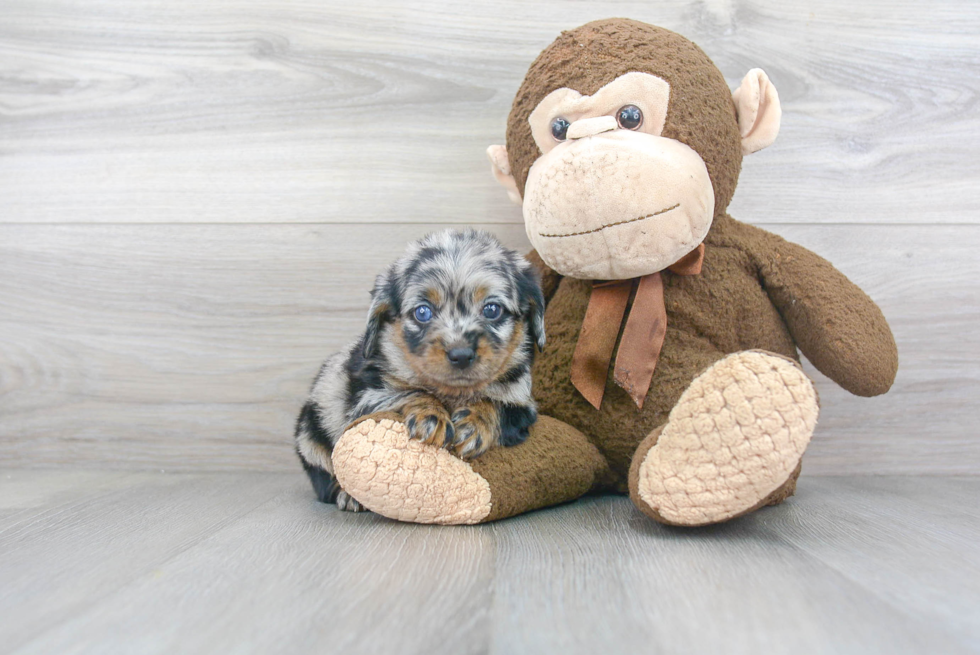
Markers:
point(449, 344)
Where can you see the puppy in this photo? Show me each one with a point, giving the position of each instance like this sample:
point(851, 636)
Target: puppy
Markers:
point(449, 344)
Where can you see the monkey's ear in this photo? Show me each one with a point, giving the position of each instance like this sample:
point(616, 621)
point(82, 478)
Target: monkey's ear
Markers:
point(757, 104)
point(382, 311)
point(500, 165)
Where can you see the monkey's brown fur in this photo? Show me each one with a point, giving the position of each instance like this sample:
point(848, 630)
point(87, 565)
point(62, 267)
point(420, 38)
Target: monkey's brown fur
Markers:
point(805, 303)
point(756, 291)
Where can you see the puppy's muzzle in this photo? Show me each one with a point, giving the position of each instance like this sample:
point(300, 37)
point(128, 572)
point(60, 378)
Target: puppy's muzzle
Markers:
point(460, 358)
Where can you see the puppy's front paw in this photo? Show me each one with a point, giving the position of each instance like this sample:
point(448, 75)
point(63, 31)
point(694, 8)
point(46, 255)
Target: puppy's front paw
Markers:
point(428, 421)
point(515, 421)
point(346, 503)
point(477, 429)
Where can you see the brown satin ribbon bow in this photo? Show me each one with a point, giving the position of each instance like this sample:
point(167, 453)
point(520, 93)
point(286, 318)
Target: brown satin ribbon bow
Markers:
point(643, 336)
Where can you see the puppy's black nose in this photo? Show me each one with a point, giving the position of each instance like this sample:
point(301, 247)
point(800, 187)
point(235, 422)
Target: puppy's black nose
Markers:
point(461, 357)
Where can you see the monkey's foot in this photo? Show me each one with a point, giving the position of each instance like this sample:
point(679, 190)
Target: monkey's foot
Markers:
point(391, 474)
point(732, 443)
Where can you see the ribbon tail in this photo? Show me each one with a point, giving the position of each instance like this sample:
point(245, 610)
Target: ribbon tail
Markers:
point(643, 337)
point(589, 391)
point(597, 339)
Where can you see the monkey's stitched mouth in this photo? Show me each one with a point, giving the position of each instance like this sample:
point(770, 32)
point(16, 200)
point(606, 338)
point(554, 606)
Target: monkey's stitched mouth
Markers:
point(626, 222)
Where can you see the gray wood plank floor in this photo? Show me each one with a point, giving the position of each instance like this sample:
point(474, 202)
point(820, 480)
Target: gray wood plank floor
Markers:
point(112, 562)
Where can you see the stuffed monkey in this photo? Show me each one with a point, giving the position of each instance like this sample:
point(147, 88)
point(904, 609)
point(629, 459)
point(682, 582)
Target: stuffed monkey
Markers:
point(671, 371)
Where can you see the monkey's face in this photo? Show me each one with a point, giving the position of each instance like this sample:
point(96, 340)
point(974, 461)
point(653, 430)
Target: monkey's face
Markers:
point(610, 198)
point(626, 181)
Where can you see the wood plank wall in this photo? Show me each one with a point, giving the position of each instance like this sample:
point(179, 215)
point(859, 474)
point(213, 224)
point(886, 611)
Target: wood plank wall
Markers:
point(195, 197)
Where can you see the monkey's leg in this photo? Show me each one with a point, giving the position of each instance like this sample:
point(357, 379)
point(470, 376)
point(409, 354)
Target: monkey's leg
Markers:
point(407, 480)
point(731, 444)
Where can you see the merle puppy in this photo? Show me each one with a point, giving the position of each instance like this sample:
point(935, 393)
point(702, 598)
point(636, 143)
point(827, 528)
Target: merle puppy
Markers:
point(449, 343)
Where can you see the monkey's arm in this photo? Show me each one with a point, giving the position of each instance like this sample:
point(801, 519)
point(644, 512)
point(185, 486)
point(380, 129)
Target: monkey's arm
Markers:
point(835, 324)
point(549, 278)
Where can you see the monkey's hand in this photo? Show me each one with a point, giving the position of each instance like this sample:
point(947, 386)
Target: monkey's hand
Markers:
point(428, 420)
point(834, 323)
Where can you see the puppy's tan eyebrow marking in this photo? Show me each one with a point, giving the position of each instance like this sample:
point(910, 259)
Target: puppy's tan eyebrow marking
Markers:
point(434, 296)
point(603, 227)
point(479, 295)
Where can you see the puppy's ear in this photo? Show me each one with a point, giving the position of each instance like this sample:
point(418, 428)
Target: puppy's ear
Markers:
point(384, 308)
point(529, 288)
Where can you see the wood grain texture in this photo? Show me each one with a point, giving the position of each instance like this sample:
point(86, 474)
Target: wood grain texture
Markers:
point(199, 563)
point(195, 198)
point(310, 111)
point(93, 543)
point(192, 347)
point(286, 574)
point(626, 584)
point(880, 539)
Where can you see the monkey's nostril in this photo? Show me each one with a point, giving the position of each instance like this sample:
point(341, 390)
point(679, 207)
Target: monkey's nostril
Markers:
point(461, 357)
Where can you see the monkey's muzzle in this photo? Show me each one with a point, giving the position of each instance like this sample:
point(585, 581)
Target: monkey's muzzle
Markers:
point(617, 204)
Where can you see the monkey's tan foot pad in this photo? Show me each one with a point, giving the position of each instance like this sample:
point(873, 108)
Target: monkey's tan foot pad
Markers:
point(377, 463)
point(735, 436)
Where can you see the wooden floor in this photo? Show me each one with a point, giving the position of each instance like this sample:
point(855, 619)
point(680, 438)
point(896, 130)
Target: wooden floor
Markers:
point(111, 562)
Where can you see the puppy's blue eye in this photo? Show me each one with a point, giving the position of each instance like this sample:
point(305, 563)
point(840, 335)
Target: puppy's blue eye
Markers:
point(492, 311)
point(423, 314)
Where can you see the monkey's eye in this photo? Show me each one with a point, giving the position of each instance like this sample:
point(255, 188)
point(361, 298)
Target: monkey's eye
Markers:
point(492, 311)
point(629, 117)
point(559, 127)
point(423, 313)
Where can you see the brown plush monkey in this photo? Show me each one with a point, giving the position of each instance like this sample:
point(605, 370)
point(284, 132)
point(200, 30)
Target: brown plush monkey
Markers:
point(671, 369)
